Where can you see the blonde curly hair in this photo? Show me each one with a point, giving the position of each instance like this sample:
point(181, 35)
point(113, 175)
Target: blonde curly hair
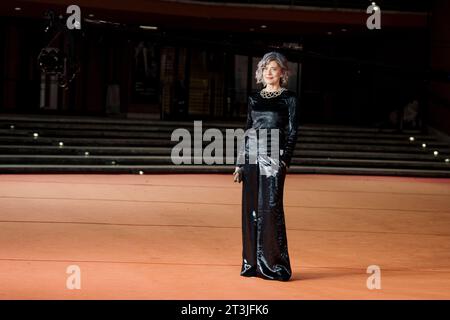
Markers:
point(266, 59)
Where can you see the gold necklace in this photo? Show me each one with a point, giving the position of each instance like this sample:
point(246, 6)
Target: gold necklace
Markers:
point(271, 94)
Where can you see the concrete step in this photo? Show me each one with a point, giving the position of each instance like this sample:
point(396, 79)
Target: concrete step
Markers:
point(166, 169)
point(303, 142)
point(128, 145)
point(300, 152)
point(149, 160)
point(166, 133)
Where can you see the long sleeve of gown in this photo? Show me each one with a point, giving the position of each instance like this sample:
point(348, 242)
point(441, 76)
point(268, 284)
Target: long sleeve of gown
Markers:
point(292, 131)
point(241, 151)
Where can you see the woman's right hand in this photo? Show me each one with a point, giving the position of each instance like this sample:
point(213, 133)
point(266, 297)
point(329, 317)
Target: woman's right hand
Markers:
point(237, 174)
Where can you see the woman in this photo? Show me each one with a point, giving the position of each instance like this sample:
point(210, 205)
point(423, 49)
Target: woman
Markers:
point(274, 108)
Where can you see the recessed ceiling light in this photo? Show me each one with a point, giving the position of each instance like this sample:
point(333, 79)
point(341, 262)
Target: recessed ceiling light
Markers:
point(263, 26)
point(344, 30)
point(329, 33)
point(17, 8)
point(148, 27)
point(91, 15)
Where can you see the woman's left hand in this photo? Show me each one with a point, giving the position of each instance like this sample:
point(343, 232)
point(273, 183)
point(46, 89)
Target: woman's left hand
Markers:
point(237, 174)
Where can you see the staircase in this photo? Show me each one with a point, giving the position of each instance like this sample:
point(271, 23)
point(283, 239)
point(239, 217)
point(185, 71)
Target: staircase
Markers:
point(104, 145)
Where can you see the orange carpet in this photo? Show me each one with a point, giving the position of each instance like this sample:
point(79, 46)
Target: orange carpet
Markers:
point(179, 237)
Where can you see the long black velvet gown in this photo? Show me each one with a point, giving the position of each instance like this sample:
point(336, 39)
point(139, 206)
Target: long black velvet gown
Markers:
point(265, 250)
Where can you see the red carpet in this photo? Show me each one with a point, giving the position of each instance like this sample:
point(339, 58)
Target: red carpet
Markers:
point(179, 237)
